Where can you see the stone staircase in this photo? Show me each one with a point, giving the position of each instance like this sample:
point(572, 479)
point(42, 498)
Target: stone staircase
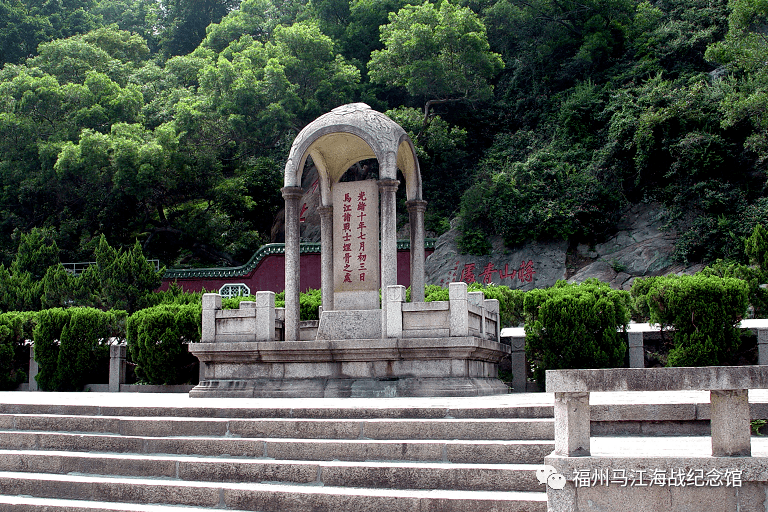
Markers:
point(77, 458)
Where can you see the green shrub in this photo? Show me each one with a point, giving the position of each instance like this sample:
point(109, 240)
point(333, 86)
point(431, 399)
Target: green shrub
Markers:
point(433, 293)
point(752, 276)
point(50, 323)
point(704, 311)
point(84, 345)
point(15, 329)
point(175, 294)
point(234, 302)
point(309, 303)
point(157, 342)
point(71, 343)
point(510, 301)
point(575, 326)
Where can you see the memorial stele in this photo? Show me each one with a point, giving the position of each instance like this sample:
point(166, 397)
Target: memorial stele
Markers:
point(369, 341)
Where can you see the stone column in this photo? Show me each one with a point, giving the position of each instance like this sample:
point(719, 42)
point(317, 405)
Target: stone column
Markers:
point(572, 424)
point(117, 366)
point(636, 350)
point(292, 196)
point(34, 369)
point(387, 190)
point(729, 413)
point(416, 209)
point(326, 255)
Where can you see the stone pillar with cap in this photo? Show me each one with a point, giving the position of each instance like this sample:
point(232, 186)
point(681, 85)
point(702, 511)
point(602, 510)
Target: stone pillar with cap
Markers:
point(416, 209)
point(387, 191)
point(292, 196)
point(326, 255)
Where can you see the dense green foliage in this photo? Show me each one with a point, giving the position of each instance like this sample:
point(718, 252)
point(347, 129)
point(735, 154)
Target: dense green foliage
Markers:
point(169, 122)
point(116, 279)
point(15, 330)
point(157, 340)
point(575, 326)
point(71, 343)
point(309, 303)
point(704, 311)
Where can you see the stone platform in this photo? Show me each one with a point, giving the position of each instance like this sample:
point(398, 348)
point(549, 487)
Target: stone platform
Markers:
point(392, 367)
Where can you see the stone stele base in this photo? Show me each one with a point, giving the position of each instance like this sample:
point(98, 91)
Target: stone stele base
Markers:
point(393, 367)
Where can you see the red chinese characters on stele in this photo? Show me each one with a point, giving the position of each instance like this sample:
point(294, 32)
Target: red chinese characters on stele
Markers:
point(472, 273)
point(361, 254)
point(356, 239)
point(346, 231)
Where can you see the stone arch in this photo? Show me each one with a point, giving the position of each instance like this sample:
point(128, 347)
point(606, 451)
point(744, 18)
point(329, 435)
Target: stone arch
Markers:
point(350, 133)
point(336, 141)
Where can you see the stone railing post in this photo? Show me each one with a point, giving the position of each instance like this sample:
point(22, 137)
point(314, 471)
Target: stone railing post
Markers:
point(491, 307)
point(211, 304)
point(519, 380)
point(265, 316)
point(117, 364)
point(730, 423)
point(636, 350)
point(572, 424)
point(34, 369)
point(476, 299)
point(459, 312)
point(395, 299)
point(762, 346)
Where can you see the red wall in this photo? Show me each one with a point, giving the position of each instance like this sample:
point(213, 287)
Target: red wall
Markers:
point(269, 275)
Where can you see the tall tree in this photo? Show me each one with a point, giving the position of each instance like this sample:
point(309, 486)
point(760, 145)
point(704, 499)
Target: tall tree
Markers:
point(182, 23)
point(438, 54)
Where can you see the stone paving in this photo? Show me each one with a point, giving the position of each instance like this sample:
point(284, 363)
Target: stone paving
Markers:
point(602, 446)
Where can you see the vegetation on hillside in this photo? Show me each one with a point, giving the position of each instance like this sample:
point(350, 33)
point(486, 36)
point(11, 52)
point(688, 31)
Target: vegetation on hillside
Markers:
point(168, 123)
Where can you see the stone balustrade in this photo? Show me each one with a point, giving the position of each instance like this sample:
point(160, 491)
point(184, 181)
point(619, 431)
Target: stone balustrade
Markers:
point(729, 403)
point(253, 321)
point(463, 314)
point(636, 332)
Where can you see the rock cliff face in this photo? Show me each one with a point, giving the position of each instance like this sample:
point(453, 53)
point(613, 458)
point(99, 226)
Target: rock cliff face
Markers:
point(639, 248)
point(535, 265)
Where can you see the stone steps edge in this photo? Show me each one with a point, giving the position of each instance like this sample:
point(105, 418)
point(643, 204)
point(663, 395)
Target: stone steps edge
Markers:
point(264, 497)
point(392, 475)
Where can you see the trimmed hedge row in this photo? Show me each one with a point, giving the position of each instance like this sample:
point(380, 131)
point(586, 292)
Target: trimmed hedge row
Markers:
point(576, 326)
point(157, 339)
point(71, 343)
point(15, 329)
point(704, 311)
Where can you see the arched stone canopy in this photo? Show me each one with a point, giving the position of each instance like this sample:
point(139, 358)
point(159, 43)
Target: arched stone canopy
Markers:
point(336, 141)
point(344, 136)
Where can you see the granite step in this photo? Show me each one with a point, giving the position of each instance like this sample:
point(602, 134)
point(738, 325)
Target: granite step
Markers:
point(31, 504)
point(80, 455)
point(445, 428)
point(266, 411)
point(389, 475)
point(457, 451)
point(262, 497)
